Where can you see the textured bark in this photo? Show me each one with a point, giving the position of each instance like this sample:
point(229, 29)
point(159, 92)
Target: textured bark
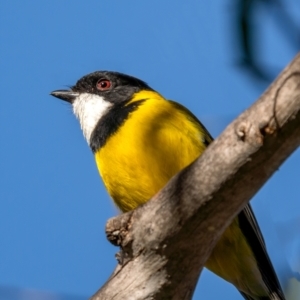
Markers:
point(166, 242)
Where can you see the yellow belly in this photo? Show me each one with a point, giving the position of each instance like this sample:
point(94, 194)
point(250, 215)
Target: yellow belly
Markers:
point(141, 157)
point(154, 144)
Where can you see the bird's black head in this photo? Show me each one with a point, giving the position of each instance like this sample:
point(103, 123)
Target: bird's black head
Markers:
point(102, 97)
point(112, 86)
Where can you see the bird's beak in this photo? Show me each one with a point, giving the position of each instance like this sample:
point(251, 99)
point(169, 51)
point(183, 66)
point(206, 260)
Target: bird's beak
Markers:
point(65, 95)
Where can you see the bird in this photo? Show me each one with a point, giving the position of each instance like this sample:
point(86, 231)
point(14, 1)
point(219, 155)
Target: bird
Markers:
point(140, 140)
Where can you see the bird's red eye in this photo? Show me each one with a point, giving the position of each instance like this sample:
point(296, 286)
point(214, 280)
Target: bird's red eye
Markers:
point(103, 84)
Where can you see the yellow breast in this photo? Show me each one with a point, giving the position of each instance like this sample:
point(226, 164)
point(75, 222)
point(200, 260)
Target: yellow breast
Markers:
point(156, 141)
point(153, 144)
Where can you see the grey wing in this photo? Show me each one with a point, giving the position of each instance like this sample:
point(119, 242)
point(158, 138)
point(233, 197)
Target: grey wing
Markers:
point(251, 231)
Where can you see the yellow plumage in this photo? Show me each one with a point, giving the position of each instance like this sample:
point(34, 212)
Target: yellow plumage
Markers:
point(140, 140)
point(145, 152)
point(152, 145)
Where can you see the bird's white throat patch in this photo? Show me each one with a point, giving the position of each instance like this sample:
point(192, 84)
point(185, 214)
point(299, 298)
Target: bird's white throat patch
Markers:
point(89, 108)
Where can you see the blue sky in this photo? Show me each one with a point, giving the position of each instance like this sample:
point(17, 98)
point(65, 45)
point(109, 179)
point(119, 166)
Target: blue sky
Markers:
point(54, 206)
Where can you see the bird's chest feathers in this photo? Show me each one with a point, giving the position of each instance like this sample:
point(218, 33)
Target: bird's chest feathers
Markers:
point(151, 146)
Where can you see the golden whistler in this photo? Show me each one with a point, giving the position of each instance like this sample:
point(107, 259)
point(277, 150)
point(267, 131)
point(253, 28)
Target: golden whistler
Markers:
point(140, 140)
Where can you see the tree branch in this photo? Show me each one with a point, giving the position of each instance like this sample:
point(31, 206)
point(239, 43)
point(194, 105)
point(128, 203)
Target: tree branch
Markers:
point(166, 242)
